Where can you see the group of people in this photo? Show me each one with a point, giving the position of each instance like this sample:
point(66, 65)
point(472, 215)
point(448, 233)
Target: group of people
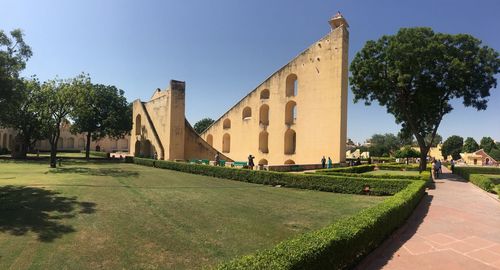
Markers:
point(323, 163)
point(251, 164)
point(436, 168)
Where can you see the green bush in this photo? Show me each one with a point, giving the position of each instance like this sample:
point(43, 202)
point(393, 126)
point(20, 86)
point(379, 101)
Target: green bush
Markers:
point(337, 184)
point(466, 171)
point(99, 154)
point(341, 244)
point(497, 190)
point(482, 181)
point(352, 169)
point(423, 175)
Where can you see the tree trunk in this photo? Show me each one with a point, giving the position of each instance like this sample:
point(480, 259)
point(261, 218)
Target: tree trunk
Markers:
point(87, 146)
point(53, 155)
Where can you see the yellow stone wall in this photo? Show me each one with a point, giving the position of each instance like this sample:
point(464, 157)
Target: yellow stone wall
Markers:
point(320, 125)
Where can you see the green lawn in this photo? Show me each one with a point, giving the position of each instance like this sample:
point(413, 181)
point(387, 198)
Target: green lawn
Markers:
point(59, 154)
point(382, 172)
point(116, 216)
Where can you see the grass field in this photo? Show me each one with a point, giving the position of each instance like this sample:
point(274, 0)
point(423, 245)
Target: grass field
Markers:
point(123, 216)
point(60, 154)
point(382, 172)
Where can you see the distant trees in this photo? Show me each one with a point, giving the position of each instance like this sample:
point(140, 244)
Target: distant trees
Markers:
point(407, 152)
point(487, 144)
point(470, 145)
point(14, 53)
point(203, 124)
point(100, 110)
point(452, 146)
point(416, 72)
point(383, 145)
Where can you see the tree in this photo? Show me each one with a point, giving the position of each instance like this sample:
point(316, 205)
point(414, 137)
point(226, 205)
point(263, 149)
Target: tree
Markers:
point(203, 124)
point(407, 152)
point(495, 154)
point(383, 145)
point(59, 98)
point(487, 144)
point(470, 145)
point(433, 142)
point(14, 53)
point(25, 114)
point(416, 73)
point(452, 146)
point(100, 111)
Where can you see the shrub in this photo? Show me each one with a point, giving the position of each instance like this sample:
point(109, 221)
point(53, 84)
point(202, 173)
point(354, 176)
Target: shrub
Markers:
point(337, 184)
point(425, 175)
point(466, 171)
point(353, 169)
point(339, 245)
point(482, 181)
point(99, 154)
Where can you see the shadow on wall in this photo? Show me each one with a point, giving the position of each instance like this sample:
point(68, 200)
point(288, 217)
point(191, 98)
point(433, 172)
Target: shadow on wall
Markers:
point(96, 172)
point(24, 209)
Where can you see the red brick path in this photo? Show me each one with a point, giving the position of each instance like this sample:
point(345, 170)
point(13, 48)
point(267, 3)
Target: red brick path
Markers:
point(456, 226)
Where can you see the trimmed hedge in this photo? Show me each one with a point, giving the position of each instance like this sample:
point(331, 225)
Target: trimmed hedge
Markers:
point(466, 171)
point(352, 169)
point(482, 181)
point(99, 154)
point(340, 245)
point(423, 175)
point(337, 184)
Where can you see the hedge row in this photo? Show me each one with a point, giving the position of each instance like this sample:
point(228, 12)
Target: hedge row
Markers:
point(423, 175)
point(337, 184)
point(352, 169)
point(342, 244)
point(99, 154)
point(466, 171)
point(482, 181)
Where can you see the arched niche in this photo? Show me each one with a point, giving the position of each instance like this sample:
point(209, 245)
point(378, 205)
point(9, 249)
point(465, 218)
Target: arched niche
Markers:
point(290, 142)
point(291, 85)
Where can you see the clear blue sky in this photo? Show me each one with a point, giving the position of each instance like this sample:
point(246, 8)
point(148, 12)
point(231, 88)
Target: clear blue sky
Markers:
point(225, 48)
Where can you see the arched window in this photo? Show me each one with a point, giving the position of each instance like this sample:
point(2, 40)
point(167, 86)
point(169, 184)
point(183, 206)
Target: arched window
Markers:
point(60, 143)
point(124, 144)
point(263, 162)
point(210, 139)
point(226, 143)
point(290, 112)
point(138, 125)
point(227, 123)
point(81, 143)
point(137, 149)
point(289, 162)
point(4, 140)
point(291, 85)
point(70, 143)
point(290, 142)
point(264, 94)
point(264, 115)
point(247, 113)
point(263, 142)
point(114, 144)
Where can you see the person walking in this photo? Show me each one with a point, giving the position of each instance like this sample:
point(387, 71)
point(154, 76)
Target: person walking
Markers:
point(435, 169)
point(250, 162)
point(323, 162)
point(452, 165)
point(217, 159)
point(330, 163)
point(439, 167)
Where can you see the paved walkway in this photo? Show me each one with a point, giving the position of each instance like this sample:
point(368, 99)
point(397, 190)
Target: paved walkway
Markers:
point(456, 226)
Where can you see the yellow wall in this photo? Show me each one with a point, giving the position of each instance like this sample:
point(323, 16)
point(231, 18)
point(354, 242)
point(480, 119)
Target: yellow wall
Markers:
point(321, 102)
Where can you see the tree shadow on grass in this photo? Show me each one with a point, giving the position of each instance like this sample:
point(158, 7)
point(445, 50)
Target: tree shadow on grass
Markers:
point(96, 172)
point(24, 209)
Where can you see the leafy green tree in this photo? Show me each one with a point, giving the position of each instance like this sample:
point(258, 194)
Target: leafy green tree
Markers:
point(407, 152)
point(25, 114)
point(416, 73)
point(383, 145)
point(100, 111)
point(495, 154)
point(14, 53)
point(59, 98)
point(487, 144)
point(203, 124)
point(433, 142)
point(470, 145)
point(452, 146)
